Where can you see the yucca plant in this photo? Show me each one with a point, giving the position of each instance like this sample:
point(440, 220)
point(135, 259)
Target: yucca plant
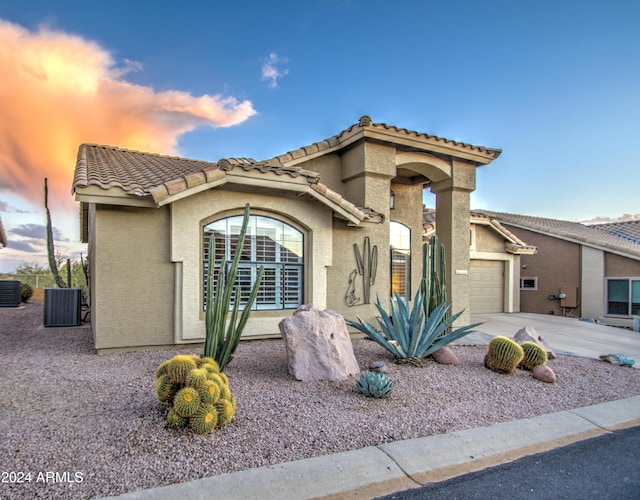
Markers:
point(221, 340)
point(408, 334)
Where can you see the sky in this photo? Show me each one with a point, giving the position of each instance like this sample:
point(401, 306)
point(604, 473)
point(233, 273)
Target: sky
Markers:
point(554, 84)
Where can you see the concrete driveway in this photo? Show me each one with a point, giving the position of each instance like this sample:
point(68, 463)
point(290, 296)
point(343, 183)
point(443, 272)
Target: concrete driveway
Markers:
point(565, 335)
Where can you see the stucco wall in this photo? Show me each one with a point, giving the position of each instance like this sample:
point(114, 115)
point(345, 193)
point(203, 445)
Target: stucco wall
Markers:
point(188, 217)
point(132, 278)
point(556, 265)
point(622, 267)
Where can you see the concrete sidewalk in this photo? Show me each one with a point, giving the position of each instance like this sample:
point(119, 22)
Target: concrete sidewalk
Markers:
point(381, 470)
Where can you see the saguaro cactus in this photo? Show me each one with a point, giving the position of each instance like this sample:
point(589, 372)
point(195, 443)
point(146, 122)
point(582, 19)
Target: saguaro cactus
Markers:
point(53, 265)
point(367, 264)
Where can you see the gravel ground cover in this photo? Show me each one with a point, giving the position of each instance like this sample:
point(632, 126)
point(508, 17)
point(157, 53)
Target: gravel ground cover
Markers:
point(77, 425)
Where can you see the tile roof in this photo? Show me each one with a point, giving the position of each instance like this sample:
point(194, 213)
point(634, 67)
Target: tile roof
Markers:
point(516, 244)
point(365, 123)
point(573, 231)
point(162, 176)
point(629, 229)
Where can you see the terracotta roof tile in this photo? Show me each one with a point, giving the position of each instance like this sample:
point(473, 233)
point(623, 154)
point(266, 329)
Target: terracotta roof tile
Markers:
point(132, 171)
point(589, 235)
point(366, 122)
point(164, 176)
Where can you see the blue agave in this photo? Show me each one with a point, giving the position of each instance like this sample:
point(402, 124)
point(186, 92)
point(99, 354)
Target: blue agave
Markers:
point(410, 335)
point(373, 384)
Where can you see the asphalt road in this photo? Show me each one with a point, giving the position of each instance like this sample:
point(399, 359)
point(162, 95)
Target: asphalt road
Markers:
point(605, 467)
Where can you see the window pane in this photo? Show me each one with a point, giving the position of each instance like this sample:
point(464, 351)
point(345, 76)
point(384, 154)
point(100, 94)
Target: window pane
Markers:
point(270, 243)
point(635, 297)
point(400, 239)
point(618, 297)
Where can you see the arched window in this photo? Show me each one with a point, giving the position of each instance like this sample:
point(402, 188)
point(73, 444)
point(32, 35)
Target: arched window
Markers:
point(400, 260)
point(269, 242)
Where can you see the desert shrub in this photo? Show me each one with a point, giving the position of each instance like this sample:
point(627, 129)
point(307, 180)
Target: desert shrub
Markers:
point(26, 291)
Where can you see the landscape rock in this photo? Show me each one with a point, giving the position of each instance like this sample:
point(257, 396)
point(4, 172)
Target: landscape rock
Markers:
point(318, 345)
point(378, 366)
point(529, 334)
point(544, 373)
point(446, 356)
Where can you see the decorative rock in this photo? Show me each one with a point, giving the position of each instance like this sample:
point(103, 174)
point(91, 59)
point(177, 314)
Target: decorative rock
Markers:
point(446, 356)
point(544, 373)
point(528, 334)
point(318, 345)
point(378, 366)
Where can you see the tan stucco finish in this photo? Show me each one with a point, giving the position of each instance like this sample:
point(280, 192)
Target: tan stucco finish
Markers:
point(147, 259)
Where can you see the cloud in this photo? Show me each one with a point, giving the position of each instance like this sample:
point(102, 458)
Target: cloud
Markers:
point(59, 90)
point(22, 246)
point(37, 231)
point(270, 70)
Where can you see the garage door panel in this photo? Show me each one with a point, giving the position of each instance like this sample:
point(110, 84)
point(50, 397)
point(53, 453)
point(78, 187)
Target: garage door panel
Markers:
point(486, 283)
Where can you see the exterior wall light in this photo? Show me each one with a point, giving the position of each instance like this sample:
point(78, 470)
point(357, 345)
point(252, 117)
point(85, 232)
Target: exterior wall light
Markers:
point(392, 200)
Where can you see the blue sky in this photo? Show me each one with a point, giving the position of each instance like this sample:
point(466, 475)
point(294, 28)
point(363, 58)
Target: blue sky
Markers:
point(555, 85)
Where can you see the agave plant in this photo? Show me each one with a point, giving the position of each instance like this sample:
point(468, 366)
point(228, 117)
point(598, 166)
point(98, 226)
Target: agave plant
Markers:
point(408, 334)
point(373, 384)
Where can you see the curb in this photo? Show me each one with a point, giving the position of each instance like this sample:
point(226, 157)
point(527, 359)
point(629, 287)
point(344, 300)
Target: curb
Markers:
point(388, 468)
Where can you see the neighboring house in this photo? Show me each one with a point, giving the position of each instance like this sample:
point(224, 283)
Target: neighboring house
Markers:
point(3, 236)
point(335, 224)
point(629, 229)
point(579, 271)
point(494, 269)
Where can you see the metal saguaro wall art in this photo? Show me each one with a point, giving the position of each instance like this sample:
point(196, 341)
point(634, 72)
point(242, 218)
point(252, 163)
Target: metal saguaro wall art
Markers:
point(366, 267)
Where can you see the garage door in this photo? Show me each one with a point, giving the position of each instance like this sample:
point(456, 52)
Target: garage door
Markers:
point(486, 280)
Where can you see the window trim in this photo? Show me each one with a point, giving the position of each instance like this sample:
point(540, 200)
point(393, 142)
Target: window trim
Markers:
point(534, 288)
point(629, 280)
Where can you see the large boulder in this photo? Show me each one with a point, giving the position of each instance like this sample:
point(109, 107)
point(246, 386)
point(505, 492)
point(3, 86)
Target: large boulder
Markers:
point(529, 334)
point(318, 345)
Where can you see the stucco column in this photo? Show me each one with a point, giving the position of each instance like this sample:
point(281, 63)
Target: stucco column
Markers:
point(452, 228)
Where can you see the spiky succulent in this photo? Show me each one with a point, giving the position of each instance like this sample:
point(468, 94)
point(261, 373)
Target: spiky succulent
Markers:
point(204, 420)
point(179, 367)
point(176, 421)
point(186, 402)
point(226, 411)
point(162, 368)
point(196, 391)
point(225, 393)
point(209, 392)
point(503, 355)
point(210, 364)
point(374, 384)
point(164, 388)
point(534, 355)
point(196, 377)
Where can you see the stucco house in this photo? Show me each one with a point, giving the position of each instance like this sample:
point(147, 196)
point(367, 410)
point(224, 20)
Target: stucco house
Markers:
point(579, 270)
point(335, 224)
point(494, 269)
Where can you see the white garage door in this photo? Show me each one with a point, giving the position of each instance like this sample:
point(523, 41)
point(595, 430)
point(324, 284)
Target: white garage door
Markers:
point(486, 281)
